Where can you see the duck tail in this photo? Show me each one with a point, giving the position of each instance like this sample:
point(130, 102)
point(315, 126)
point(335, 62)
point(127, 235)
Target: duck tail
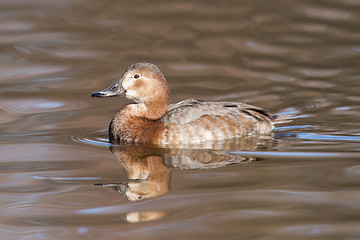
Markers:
point(281, 119)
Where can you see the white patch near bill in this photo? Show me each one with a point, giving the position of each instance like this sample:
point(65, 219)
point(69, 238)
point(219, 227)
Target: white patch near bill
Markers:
point(128, 82)
point(133, 95)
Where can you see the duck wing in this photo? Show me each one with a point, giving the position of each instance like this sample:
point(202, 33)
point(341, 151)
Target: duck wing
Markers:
point(192, 109)
point(195, 121)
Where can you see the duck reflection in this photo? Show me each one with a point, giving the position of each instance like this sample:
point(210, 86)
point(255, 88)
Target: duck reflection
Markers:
point(149, 168)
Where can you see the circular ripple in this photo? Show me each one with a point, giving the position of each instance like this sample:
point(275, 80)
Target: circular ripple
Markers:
point(98, 138)
point(34, 106)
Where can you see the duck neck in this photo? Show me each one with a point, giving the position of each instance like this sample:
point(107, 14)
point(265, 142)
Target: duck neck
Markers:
point(149, 111)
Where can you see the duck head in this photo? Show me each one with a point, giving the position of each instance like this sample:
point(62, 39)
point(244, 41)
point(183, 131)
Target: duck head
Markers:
point(141, 82)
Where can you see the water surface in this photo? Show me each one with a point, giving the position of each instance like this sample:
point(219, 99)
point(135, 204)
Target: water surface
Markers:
point(61, 179)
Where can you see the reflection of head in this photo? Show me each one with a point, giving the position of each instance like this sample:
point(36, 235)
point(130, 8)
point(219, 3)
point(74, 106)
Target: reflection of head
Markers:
point(137, 191)
point(141, 190)
point(151, 177)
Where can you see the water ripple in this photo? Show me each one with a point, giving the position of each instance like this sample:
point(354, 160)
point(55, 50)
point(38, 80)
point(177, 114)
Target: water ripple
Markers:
point(97, 138)
point(297, 155)
point(32, 106)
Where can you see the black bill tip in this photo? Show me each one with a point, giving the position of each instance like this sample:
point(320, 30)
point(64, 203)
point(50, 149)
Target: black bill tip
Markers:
point(97, 94)
point(107, 93)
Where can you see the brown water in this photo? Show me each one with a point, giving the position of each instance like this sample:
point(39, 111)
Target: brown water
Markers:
point(58, 174)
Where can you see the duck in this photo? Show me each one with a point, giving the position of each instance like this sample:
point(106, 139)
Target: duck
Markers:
point(151, 119)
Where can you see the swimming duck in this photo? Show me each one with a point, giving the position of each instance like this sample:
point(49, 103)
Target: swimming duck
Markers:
point(150, 119)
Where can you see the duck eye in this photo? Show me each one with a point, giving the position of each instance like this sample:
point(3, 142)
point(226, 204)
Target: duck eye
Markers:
point(136, 76)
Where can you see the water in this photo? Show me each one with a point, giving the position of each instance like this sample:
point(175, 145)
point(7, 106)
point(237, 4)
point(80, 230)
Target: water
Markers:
point(61, 179)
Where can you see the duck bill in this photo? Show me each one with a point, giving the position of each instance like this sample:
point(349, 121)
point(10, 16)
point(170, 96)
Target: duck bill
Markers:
point(113, 91)
point(118, 187)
